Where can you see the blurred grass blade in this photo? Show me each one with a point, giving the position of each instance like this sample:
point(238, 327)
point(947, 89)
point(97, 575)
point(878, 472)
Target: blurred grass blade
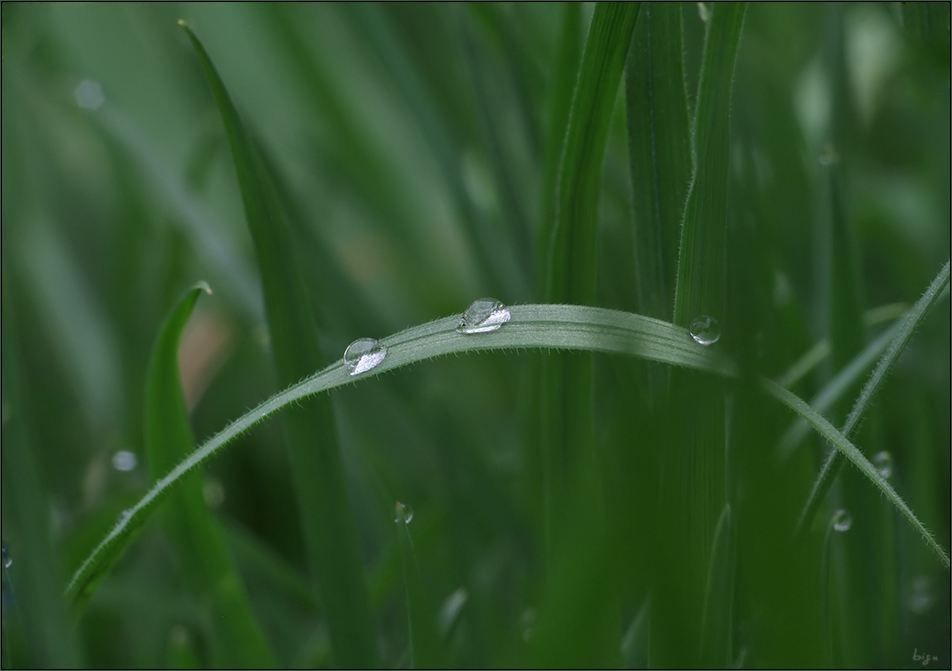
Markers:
point(717, 625)
point(496, 260)
point(237, 638)
point(896, 346)
point(693, 464)
point(851, 452)
point(318, 471)
point(659, 150)
point(426, 645)
point(34, 570)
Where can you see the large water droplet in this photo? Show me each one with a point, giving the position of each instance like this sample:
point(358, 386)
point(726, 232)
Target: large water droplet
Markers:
point(403, 513)
point(883, 462)
point(7, 559)
point(842, 520)
point(705, 330)
point(363, 355)
point(124, 460)
point(483, 315)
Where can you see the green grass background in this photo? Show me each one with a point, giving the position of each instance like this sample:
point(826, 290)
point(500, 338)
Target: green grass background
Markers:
point(567, 507)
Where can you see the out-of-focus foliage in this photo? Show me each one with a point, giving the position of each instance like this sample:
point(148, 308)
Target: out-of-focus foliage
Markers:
point(415, 150)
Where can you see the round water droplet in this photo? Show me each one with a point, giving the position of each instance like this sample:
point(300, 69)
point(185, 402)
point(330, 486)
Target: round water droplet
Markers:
point(842, 520)
point(7, 559)
point(403, 513)
point(483, 315)
point(883, 462)
point(123, 516)
point(705, 330)
point(124, 460)
point(89, 94)
point(363, 355)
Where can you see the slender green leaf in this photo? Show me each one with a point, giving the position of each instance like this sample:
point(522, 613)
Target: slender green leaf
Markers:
point(896, 346)
point(851, 452)
point(566, 416)
point(716, 627)
point(318, 471)
point(426, 645)
point(531, 326)
point(693, 465)
point(659, 146)
point(238, 639)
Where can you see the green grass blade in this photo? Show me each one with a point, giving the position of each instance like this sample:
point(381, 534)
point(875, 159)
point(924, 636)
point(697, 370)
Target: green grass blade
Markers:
point(571, 255)
point(693, 482)
point(318, 471)
point(701, 258)
point(34, 573)
point(560, 105)
point(896, 346)
point(566, 411)
point(717, 625)
point(238, 639)
point(851, 452)
point(818, 353)
point(426, 646)
point(531, 326)
point(659, 150)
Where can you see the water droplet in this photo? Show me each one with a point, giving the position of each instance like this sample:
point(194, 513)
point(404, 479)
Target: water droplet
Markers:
point(123, 516)
point(403, 513)
point(7, 559)
point(124, 460)
point(883, 462)
point(842, 520)
point(483, 315)
point(363, 355)
point(704, 11)
point(705, 330)
point(89, 95)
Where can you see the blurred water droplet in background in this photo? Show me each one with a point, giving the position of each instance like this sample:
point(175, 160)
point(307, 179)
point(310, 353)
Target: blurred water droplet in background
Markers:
point(89, 94)
point(842, 520)
point(124, 460)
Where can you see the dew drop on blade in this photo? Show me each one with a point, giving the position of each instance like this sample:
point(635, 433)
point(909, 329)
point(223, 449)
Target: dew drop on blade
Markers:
point(883, 462)
point(842, 520)
point(7, 559)
point(482, 316)
point(705, 330)
point(123, 516)
point(363, 355)
point(403, 513)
